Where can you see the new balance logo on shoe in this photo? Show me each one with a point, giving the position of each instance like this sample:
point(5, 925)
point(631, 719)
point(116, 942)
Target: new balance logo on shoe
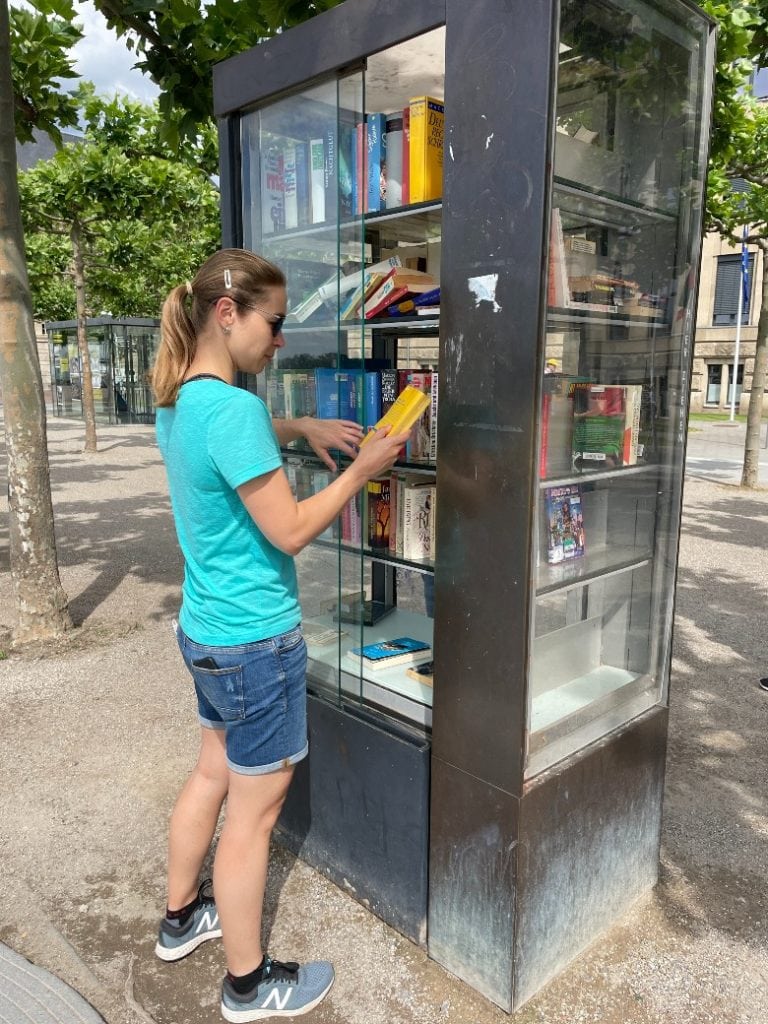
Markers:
point(273, 999)
point(208, 922)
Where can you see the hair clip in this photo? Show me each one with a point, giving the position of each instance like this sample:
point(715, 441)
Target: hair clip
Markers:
point(227, 278)
point(189, 287)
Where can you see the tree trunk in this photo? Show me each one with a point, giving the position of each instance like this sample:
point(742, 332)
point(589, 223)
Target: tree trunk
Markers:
point(86, 376)
point(41, 601)
point(751, 470)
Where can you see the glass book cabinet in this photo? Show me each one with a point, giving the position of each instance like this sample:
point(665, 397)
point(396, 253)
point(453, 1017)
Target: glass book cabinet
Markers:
point(506, 214)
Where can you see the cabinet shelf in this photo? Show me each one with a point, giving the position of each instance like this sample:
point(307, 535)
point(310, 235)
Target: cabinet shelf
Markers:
point(390, 688)
point(574, 314)
point(381, 555)
point(597, 474)
point(592, 565)
point(308, 457)
point(564, 187)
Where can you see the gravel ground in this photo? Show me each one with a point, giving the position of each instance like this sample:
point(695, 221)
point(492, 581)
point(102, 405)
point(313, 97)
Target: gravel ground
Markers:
point(98, 733)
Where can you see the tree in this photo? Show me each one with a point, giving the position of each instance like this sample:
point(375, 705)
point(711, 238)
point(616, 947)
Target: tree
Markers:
point(28, 98)
point(118, 196)
point(739, 153)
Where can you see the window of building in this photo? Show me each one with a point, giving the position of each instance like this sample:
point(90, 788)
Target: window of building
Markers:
point(727, 290)
point(714, 383)
point(739, 383)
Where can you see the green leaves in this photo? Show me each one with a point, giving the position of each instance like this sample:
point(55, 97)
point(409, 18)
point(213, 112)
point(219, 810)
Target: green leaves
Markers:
point(147, 217)
point(40, 45)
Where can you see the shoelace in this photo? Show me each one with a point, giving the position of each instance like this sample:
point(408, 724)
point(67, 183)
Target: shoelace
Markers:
point(205, 893)
point(274, 970)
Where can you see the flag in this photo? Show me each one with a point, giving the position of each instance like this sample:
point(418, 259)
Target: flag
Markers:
point(745, 269)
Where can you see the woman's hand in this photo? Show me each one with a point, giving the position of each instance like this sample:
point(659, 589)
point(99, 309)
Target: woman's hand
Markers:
point(322, 435)
point(380, 452)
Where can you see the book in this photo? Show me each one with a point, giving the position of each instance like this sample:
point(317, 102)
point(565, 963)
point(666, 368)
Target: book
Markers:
point(337, 394)
point(425, 158)
point(417, 449)
point(430, 298)
point(598, 426)
point(397, 284)
point(402, 414)
point(403, 650)
point(290, 190)
point(556, 449)
point(423, 673)
point(389, 389)
point(558, 294)
point(317, 179)
point(633, 398)
point(361, 175)
point(330, 292)
point(330, 171)
point(376, 161)
point(346, 164)
point(272, 190)
point(303, 192)
point(564, 523)
point(433, 398)
point(379, 508)
point(418, 501)
point(394, 157)
point(352, 306)
point(406, 176)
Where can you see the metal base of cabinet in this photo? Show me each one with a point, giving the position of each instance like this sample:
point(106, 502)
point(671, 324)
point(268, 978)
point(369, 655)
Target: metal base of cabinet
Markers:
point(520, 885)
point(358, 811)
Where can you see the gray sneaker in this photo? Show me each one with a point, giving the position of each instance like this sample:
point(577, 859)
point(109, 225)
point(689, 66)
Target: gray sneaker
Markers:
point(285, 990)
point(174, 942)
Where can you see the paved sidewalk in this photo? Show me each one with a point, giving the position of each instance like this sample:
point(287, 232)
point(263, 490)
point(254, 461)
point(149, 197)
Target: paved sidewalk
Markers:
point(97, 737)
point(715, 451)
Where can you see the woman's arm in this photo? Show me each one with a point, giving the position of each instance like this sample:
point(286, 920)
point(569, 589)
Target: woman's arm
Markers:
point(322, 435)
point(291, 525)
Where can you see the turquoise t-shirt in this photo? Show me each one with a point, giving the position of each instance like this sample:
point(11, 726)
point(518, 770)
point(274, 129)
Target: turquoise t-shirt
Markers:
point(238, 587)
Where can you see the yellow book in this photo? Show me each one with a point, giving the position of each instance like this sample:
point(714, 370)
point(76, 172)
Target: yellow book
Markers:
point(403, 413)
point(425, 155)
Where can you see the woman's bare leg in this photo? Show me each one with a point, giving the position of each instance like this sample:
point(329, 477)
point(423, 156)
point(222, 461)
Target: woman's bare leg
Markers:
point(240, 866)
point(194, 818)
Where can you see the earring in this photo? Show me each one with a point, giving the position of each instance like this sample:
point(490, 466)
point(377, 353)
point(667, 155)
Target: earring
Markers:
point(227, 330)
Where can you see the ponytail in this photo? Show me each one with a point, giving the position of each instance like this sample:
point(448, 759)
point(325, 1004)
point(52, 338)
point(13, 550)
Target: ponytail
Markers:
point(178, 342)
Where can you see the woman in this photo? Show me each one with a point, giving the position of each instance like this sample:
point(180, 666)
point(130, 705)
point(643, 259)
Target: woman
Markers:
point(239, 527)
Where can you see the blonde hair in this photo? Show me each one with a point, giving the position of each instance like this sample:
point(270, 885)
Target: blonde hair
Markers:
point(241, 275)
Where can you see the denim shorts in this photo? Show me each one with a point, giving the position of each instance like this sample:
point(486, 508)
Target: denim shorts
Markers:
point(257, 693)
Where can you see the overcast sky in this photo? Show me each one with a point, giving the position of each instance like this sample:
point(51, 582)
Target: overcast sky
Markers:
point(103, 59)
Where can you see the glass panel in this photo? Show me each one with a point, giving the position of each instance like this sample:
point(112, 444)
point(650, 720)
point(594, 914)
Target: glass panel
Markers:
point(326, 197)
point(623, 251)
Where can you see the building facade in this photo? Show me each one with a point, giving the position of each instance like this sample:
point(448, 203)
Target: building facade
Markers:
point(713, 376)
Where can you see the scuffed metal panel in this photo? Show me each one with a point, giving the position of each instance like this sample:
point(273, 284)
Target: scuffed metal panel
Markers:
point(473, 865)
point(358, 810)
point(589, 847)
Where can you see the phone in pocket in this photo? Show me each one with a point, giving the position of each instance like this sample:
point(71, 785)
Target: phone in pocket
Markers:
point(205, 663)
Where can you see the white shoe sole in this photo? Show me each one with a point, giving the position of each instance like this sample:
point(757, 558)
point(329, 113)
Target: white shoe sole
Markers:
point(244, 1016)
point(169, 954)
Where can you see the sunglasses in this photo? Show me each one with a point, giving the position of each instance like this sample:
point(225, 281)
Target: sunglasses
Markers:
point(275, 322)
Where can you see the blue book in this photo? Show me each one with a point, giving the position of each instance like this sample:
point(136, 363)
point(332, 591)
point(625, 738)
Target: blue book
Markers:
point(348, 395)
point(346, 156)
point(337, 394)
point(376, 142)
point(428, 298)
point(330, 173)
point(389, 653)
point(303, 187)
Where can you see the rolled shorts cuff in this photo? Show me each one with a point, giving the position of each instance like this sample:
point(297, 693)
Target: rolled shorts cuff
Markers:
point(208, 724)
point(266, 769)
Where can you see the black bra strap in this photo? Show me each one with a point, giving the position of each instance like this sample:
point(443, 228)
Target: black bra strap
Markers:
point(204, 376)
